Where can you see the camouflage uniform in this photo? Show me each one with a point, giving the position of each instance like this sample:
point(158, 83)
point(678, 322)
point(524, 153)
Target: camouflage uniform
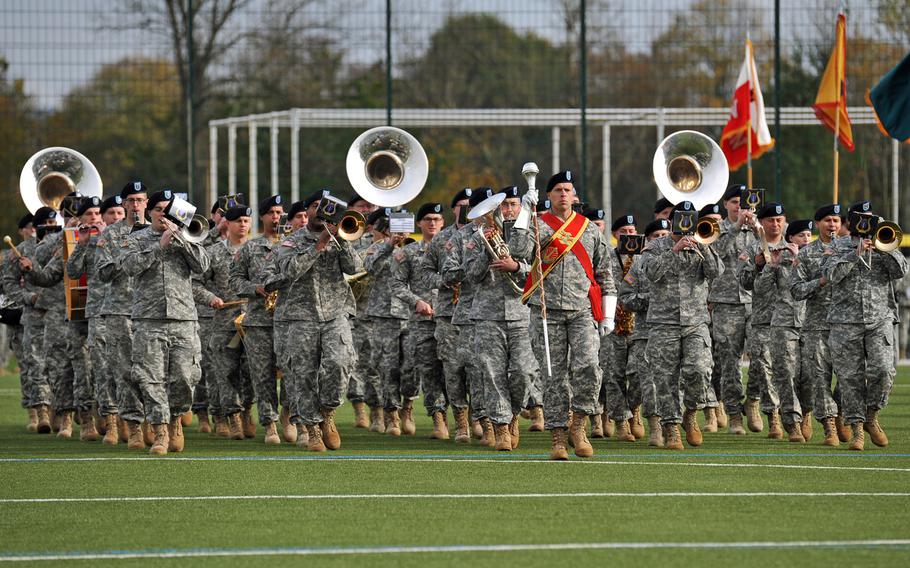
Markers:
point(246, 273)
point(862, 325)
point(621, 393)
point(774, 346)
point(229, 365)
point(408, 288)
point(115, 344)
point(815, 357)
point(502, 346)
point(12, 292)
point(679, 342)
point(33, 382)
point(272, 274)
point(731, 310)
point(453, 274)
point(634, 295)
point(365, 384)
point(389, 323)
point(576, 378)
point(166, 348)
point(316, 302)
point(446, 334)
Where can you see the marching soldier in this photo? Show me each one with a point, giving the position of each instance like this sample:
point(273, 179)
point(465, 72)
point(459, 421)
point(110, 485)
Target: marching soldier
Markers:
point(714, 415)
point(166, 349)
point(580, 300)
point(862, 325)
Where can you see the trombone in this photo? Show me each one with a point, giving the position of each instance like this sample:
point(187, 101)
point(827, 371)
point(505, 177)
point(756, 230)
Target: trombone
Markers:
point(885, 238)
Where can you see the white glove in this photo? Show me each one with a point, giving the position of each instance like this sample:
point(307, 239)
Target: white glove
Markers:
point(606, 326)
point(529, 201)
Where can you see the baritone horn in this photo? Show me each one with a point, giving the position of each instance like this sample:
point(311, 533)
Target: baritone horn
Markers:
point(53, 173)
point(496, 245)
point(352, 225)
point(387, 166)
point(689, 166)
point(888, 236)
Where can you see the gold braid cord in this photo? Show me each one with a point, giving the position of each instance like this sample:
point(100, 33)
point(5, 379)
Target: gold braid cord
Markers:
point(625, 319)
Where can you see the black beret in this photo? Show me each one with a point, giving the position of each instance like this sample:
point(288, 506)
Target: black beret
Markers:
point(622, 221)
point(825, 210)
point(159, 196)
point(657, 225)
point(133, 188)
point(710, 209)
point(662, 204)
point(428, 209)
point(355, 197)
point(296, 208)
point(543, 205)
point(594, 214)
point(861, 207)
point(112, 201)
point(510, 191)
point(268, 203)
point(86, 204)
point(378, 214)
point(315, 196)
point(799, 226)
point(770, 210)
point(461, 195)
point(734, 191)
point(479, 194)
point(24, 221)
point(235, 213)
point(564, 176)
point(683, 206)
point(43, 215)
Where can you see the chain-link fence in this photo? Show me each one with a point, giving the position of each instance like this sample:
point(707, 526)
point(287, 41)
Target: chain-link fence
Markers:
point(112, 78)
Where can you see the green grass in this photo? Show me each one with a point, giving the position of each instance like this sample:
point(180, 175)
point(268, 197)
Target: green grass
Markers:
point(58, 527)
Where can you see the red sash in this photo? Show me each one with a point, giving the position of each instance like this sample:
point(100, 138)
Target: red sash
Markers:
point(566, 237)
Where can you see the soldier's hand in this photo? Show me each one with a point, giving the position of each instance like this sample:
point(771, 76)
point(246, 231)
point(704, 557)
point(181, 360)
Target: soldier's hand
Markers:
point(866, 245)
point(746, 218)
point(260, 291)
point(323, 240)
point(606, 326)
point(822, 281)
point(25, 264)
point(760, 259)
point(775, 257)
point(423, 308)
point(217, 303)
point(398, 238)
point(681, 244)
point(507, 264)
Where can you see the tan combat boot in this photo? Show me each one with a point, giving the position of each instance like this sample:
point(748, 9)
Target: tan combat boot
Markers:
point(205, 427)
point(736, 425)
point(537, 422)
point(393, 426)
point(44, 419)
point(112, 435)
point(502, 438)
point(858, 439)
point(872, 425)
point(488, 438)
point(186, 419)
point(148, 433)
point(160, 442)
point(136, 440)
point(408, 428)
point(314, 441)
point(710, 419)
point(722, 419)
point(843, 431)
point(462, 436)
point(830, 434)
point(303, 436)
point(235, 426)
point(656, 437)
point(583, 448)
point(635, 424)
point(673, 441)
point(330, 436)
point(597, 426)
point(623, 433)
point(609, 425)
point(753, 416)
point(806, 426)
point(476, 429)
point(55, 419)
point(124, 430)
point(775, 428)
point(100, 423)
point(377, 420)
point(87, 432)
point(249, 426)
point(690, 424)
point(66, 425)
point(795, 433)
point(222, 427)
point(558, 450)
point(290, 432)
point(271, 435)
point(514, 431)
point(32, 420)
point(360, 415)
point(175, 439)
point(440, 430)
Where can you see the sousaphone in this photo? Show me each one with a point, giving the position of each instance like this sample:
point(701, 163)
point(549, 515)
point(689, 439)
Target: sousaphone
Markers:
point(387, 166)
point(53, 173)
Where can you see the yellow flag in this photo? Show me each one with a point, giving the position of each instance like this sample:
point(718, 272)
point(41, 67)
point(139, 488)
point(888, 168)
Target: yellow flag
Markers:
point(831, 100)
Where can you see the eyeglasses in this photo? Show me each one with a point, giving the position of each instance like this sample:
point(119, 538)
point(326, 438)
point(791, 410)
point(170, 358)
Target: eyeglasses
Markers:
point(136, 200)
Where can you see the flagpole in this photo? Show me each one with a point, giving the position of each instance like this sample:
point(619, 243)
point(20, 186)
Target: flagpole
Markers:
point(749, 119)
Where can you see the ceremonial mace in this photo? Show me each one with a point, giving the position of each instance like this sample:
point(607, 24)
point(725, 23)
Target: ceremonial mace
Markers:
point(529, 171)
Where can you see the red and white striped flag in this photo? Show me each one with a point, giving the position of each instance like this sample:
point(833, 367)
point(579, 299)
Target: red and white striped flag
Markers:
point(747, 113)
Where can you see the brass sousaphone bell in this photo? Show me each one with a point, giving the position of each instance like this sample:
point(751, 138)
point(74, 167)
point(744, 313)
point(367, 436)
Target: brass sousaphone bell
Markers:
point(689, 166)
point(387, 166)
point(53, 173)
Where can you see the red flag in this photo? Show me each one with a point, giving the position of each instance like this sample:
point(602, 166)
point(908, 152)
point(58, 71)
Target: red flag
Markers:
point(747, 113)
point(831, 102)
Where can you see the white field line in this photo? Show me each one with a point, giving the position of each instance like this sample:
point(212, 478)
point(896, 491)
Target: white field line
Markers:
point(609, 494)
point(450, 549)
point(343, 459)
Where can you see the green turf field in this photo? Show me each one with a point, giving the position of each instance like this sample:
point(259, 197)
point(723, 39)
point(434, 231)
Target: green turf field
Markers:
point(416, 502)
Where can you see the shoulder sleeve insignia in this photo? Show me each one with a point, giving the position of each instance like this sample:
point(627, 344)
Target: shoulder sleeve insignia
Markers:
point(287, 243)
point(449, 244)
point(629, 279)
point(399, 255)
point(470, 245)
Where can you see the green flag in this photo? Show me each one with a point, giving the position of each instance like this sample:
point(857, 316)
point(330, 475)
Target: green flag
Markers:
point(890, 99)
